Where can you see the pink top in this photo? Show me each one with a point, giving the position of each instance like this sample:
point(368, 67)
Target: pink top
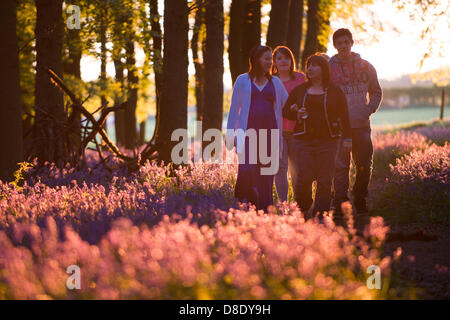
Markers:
point(288, 125)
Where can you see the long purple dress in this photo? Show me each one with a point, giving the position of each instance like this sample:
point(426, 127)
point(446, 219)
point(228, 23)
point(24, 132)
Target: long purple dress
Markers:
point(251, 186)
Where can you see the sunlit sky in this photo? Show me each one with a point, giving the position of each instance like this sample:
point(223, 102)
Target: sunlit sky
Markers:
point(393, 53)
point(397, 53)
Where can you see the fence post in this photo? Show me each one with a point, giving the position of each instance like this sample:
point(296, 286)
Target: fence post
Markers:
point(442, 104)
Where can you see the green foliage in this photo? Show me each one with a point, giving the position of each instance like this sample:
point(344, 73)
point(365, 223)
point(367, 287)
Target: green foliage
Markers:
point(326, 8)
point(20, 175)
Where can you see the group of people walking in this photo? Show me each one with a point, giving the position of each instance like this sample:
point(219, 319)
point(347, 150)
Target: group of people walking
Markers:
point(323, 120)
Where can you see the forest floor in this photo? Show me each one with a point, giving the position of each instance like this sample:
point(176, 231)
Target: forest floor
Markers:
point(144, 229)
point(425, 261)
point(423, 271)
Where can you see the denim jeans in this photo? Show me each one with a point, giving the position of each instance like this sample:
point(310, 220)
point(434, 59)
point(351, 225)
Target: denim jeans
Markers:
point(315, 160)
point(362, 153)
point(286, 164)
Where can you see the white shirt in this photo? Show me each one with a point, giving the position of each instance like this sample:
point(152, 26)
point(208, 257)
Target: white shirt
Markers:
point(260, 88)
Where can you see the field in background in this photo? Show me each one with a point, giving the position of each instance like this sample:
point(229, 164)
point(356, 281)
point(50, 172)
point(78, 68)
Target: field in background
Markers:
point(407, 115)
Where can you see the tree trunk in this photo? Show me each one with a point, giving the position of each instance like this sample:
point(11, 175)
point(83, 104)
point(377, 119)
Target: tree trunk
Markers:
point(130, 110)
point(156, 59)
point(11, 143)
point(199, 67)
point(252, 31)
point(237, 16)
point(142, 127)
point(278, 23)
point(311, 42)
point(318, 27)
point(119, 115)
point(147, 37)
point(117, 55)
point(103, 57)
point(72, 61)
point(295, 29)
point(175, 70)
point(48, 140)
point(213, 111)
point(72, 67)
point(245, 34)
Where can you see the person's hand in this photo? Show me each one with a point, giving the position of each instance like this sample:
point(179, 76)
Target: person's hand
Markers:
point(347, 144)
point(301, 112)
point(294, 107)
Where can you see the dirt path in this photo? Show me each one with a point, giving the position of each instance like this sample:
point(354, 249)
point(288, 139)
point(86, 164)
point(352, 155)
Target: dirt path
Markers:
point(425, 260)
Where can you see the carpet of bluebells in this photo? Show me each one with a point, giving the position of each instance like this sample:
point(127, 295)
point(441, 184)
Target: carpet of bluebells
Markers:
point(422, 181)
point(415, 165)
point(158, 235)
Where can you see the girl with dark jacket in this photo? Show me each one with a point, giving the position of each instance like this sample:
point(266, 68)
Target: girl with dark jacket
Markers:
point(320, 111)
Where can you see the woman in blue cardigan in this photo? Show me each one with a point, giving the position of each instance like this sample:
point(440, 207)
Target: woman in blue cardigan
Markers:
point(256, 103)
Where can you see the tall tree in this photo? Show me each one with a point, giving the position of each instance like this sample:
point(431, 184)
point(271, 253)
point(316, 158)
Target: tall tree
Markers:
point(11, 144)
point(146, 39)
point(214, 21)
point(295, 28)
point(245, 33)
point(48, 141)
point(119, 117)
point(175, 81)
point(103, 28)
point(132, 88)
point(237, 16)
point(198, 65)
point(131, 139)
point(278, 23)
point(156, 59)
point(124, 20)
point(117, 57)
point(318, 31)
point(252, 30)
point(312, 31)
point(72, 53)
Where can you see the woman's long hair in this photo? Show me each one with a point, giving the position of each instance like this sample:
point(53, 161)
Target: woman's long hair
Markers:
point(255, 65)
point(285, 51)
point(317, 60)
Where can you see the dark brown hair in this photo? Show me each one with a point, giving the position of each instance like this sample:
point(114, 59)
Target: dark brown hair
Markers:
point(340, 33)
point(285, 51)
point(317, 60)
point(253, 61)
